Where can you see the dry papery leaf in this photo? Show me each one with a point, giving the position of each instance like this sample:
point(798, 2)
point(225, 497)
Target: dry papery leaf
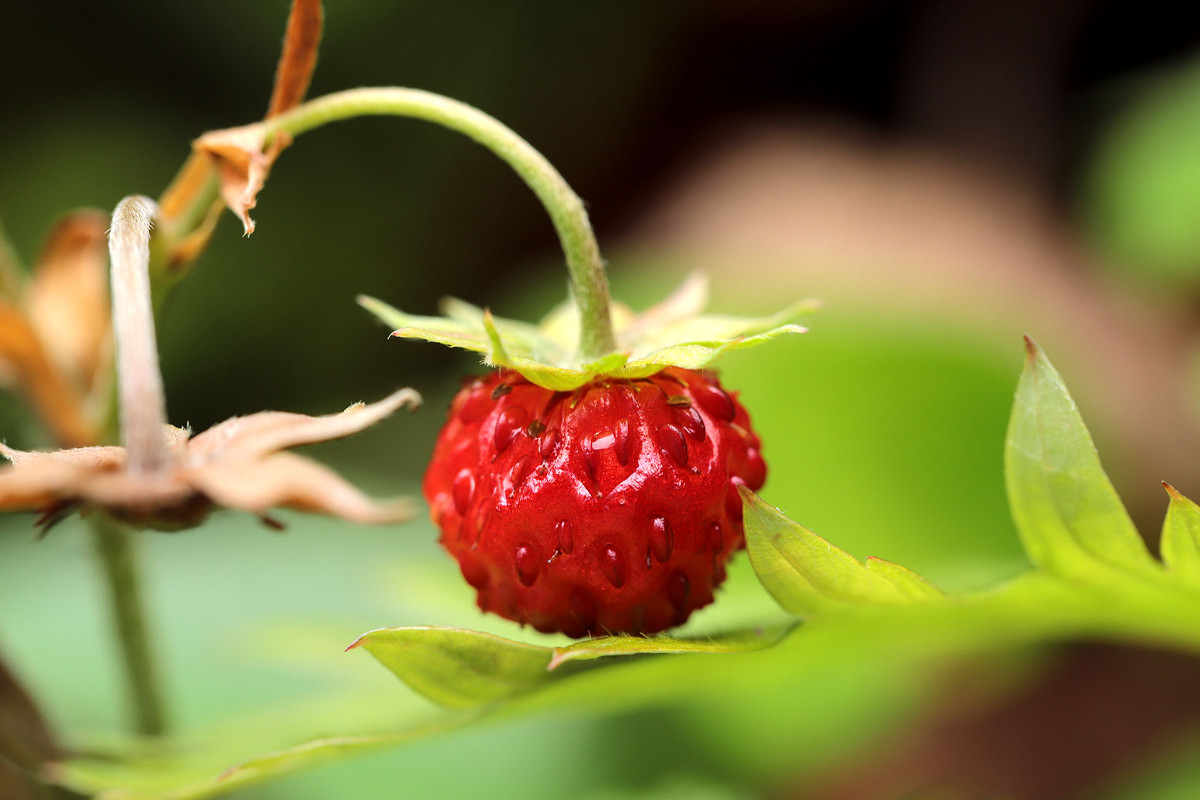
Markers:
point(67, 299)
point(238, 154)
point(237, 464)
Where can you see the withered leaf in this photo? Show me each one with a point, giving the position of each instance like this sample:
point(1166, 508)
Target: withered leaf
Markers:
point(240, 155)
point(236, 464)
point(67, 298)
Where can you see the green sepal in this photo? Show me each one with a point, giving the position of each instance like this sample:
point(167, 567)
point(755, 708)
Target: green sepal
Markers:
point(1067, 512)
point(671, 333)
point(1181, 536)
point(807, 575)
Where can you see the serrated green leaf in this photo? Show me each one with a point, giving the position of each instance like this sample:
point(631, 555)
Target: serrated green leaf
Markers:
point(1181, 536)
point(905, 579)
point(803, 572)
point(733, 642)
point(456, 667)
point(1066, 510)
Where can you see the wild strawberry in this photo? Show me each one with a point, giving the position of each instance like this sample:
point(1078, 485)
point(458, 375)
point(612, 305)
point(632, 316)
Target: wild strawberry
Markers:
point(589, 495)
point(612, 507)
point(591, 484)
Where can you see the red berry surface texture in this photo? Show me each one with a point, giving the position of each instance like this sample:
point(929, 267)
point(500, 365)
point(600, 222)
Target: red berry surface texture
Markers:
point(611, 508)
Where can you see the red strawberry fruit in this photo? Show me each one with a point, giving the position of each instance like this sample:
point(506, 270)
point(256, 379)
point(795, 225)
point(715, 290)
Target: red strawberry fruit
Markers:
point(609, 507)
point(591, 484)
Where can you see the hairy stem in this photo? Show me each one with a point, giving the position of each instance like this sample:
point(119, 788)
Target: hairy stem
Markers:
point(139, 379)
point(115, 545)
point(143, 416)
point(589, 284)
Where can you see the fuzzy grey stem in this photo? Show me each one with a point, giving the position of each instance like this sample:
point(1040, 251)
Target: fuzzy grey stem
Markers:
point(139, 379)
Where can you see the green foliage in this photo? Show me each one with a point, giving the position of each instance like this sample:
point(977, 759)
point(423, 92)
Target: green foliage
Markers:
point(1092, 577)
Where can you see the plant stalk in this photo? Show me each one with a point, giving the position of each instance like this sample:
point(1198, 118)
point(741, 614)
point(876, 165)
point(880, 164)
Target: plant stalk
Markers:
point(143, 415)
point(589, 284)
point(139, 378)
point(115, 545)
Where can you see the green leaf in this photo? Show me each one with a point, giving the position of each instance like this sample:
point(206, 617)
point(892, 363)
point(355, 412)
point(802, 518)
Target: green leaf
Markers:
point(1181, 536)
point(905, 579)
point(457, 667)
point(806, 574)
point(1067, 513)
point(733, 642)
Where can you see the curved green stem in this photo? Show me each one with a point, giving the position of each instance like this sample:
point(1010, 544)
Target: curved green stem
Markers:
point(589, 284)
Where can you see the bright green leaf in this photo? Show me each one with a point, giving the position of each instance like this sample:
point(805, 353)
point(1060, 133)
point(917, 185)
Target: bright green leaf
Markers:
point(457, 667)
point(1069, 517)
point(734, 642)
point(1181, 536)
point(904, 579)
point(802, 571)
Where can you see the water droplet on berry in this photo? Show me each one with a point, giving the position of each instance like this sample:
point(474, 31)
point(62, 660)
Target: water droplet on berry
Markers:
point(613, 566)
point(475, 403)
point(662, 539)
point(529, 563)
point(678, 589)
point(548, 444)
point(733, 500)
point(464, 490)
point(756, 469)
point(511, 420)
point(691, 421)
point(671, 440)
point(621, 441)
point(716, 537)
point(517, 475)
point(481, 522)
point(715, 401)
point(565, 535)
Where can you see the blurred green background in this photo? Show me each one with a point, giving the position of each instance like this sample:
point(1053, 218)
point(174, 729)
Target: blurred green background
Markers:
point(945, 176)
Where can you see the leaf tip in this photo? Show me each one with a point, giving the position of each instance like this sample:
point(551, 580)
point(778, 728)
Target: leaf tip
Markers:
point(559, 657)
point(358, 642)
point(1172, 491)
point(1031, 349)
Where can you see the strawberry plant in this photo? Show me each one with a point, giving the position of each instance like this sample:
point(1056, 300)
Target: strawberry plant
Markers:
point(595, 482)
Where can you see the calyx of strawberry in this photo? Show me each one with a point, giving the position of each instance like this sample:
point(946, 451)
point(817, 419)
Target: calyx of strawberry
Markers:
point(673, 332)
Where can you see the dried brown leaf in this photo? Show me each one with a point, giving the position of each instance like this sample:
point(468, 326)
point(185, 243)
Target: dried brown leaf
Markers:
point(241, 164)
point(236, 464)
point(285, 480)
point(67, 299)
point(58, 403)
point(268, 432)
point(299, 57)
point(240, 156)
